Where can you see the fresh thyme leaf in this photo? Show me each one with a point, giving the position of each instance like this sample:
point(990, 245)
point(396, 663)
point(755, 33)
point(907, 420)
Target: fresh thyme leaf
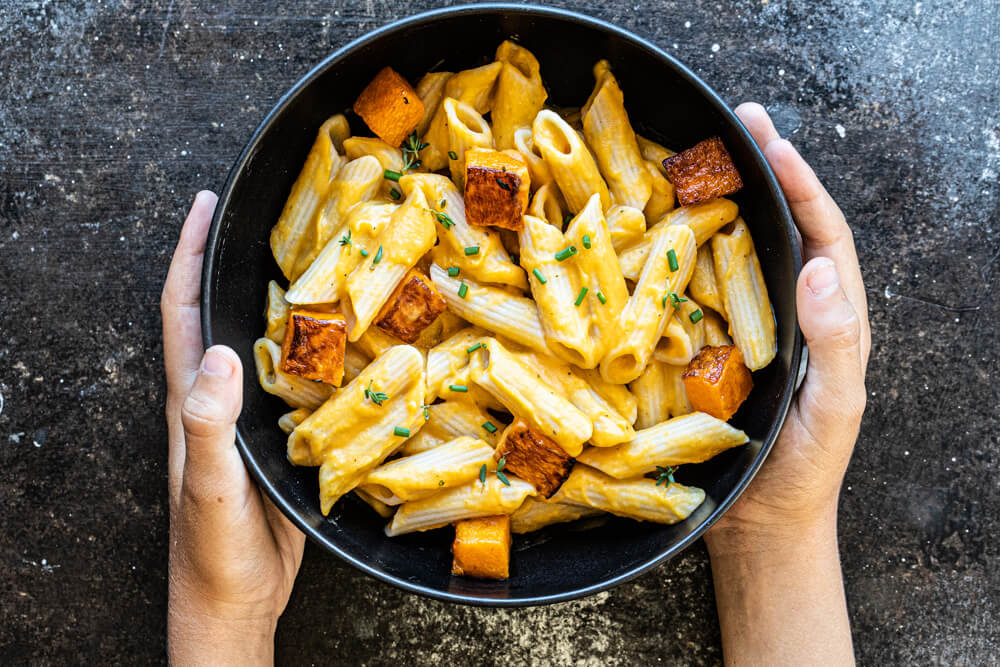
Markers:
point(501, 463)
point(375, 397)
point(482, 475)
point(503, 478)
point(346, 239)
point(443, 218)
point(411, 150)
point(666, 475)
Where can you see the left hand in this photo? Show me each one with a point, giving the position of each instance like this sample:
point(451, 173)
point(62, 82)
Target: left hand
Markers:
point(233, 555)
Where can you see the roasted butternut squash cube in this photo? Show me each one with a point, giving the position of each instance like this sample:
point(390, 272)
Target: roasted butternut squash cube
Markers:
point(704, 171)
point(717, 381)
point(533, 457)
point(413, 306)
point(314, 346)
point(497, 186)
point(482, 548)
point(390, 106)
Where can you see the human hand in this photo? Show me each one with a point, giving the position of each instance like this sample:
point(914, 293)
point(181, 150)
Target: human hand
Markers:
point(795, 493)
point(233, 555)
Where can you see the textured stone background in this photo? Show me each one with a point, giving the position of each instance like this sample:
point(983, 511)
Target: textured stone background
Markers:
point(113, 114)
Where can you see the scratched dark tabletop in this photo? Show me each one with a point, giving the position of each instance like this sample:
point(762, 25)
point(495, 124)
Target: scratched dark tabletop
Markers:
point(112, 116)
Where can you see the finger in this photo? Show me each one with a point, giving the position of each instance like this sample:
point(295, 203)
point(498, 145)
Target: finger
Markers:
point(212, 466)
point(833, 393)
point(757, 122)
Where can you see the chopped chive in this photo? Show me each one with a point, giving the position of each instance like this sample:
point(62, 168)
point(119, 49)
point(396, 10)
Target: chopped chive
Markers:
point(675, 300)
point(567, 218)
point(696, 316)
point(601, 297)
point(453, 271)
point(364, 253)
point(392, 175)
point(401, 431)
point(376, 259)
point(586, 241)
point(503, 478)
point(482, 475)
point(490, 427)
point(501, 463)
point(453, 155)
point(663, 303)
point(538, 274)
point(579, 297)
point(427, 413)
point(513, 260)
point(394, 193)
point(444, 203)
point(460, 388)
point(472, 250)
point(566, 253)
point(463, 289)
point(470, 350)
point(672, 259)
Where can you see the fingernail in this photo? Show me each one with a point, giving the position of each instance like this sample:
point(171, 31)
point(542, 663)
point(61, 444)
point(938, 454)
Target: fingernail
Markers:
point(215, 363)
point(823, 281)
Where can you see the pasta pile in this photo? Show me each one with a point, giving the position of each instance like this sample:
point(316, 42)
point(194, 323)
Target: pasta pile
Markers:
point(498, 317)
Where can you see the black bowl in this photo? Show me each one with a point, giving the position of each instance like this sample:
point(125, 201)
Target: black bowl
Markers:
point(667, 103)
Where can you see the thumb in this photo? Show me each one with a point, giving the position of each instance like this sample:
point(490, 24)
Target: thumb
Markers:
point(209, 418)
point(834, 380)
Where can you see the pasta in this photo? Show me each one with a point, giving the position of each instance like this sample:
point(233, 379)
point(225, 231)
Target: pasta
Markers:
point(522, 319)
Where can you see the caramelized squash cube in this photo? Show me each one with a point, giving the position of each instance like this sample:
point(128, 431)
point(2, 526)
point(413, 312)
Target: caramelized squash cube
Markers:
point(390, 106)
point(534, 457)
point(413, 306)
point(314, 346)
point(497, 186)
point(703, 172)
point(482, 548)
point(717, 381)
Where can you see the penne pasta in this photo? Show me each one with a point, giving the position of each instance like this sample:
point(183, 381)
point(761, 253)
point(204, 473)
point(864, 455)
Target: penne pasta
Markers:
point(675, 346)
point(640, 499)
point(276, 313)
point(609, 134)
point(744, 294)
point(703, 286)
point(654, 152)
point(449, 465)
point(547, 205)
point(538, 170)
point(430, 88)
point(293, 390)
point(535, 514)
point(473, 87)
point(380, 508)
point(716, 332)
point(469, 501)
point(660, 394)
point(288, 421)
point(626, 226)
point(519, 93)
point(453, 419)
point(661, 197)
point(467, 129)
point(690, 438)
point(389, 158)
point(355, 361)
point(570, 161)
point(448, 364)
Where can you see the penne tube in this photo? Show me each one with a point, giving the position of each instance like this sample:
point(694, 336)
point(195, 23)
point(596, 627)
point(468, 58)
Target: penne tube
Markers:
point(751, 319)
point(400, 245)
point(276, 313)
point(547, 205)
point(640, 499)
point(570, 161)
point(448, 362)
point(339, 130)
point(675, 346)
point(660, 394)
point(356, 430)
point(374, 342)
point(492, 309)
point(473, 87)
point(442, 328)
point(716, 332)
point(380, 508)
point(617, 395)
point(325, 281)
point(661, 198)
point(295, 391)
point(355, 361)
point(430, 88)
point(469, 501)
point(449, 465)
point(609, 134)
point(526, 395)
point(690, 438)
point(491, 263)
point(294, 234)
point(535, 514)
point(703, 286)
point(626, 226)
point(288, 421)
point(555, 285)
point(467, 129)
point(453, 419)
point(648, 310)
point(389, 157)
point(538, 170)
point(520, 93)
point(654, 152)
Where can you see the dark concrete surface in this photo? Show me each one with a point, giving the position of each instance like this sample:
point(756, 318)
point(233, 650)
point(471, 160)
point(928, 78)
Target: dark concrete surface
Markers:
point(113, 114)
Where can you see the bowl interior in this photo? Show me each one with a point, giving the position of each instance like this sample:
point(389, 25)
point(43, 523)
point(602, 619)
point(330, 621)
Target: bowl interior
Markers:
point(666, 104)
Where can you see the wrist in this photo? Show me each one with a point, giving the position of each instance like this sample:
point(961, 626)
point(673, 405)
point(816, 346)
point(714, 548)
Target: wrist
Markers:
point(739, 537)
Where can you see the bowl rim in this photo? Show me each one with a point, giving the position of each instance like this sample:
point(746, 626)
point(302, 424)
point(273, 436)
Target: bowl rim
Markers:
point(774, 190)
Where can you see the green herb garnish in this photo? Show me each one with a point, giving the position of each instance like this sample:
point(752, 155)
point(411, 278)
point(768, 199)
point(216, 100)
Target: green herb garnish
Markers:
point(376, 259)
point(579, 297)
point(394, 193)
point(567, 219)
point(470, 350)
point(427, 413)
point(675, 300)
point(460, 388)
point(565, 253)
point(401, 432)
point(471, 250)
point(482, 475)
point(463, 289)
point(453, 155)
point(600, 297)
point(453, 271)
point(443, 218)
point(666, 475)
point(586, 241)
point(411, 150)
point(364, 253)
point(490, 427)
point(538, 274)
point(346, 240)
point(672, 259)
point(502, 184)
point(392, 175)
point(375, 397)
point(696, 316)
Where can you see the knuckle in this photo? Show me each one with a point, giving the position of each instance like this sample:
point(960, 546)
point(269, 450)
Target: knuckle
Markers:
point(201, 415)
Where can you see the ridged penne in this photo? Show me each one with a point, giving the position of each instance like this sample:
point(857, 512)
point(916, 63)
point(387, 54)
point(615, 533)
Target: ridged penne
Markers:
point(640, 499)
point(617, 395)
point(469, 501)
point(661, 197)
point(430, 88)
point(380, 508)
point(626, 226)
point(716, 331)
point(547, 205)
point(609, 134)
point(744, 293)
point(525, 395)
point(654, 152)
point(520, 93)
point(389, 157)
point(295, 391)
point(645, 316)
point(703, 286)
point(660, 394)
point(294, 234)
point(356, 430)
point(448, 362)
point(570, 161)
point(453, 419)
point(355, 361)
point(690, 438)
point(449, 465)
point(288, 421)
point(276, 313)
point(472, 86)
point(674, 346)
point(535, 514)
point(538, 170)
point(467, 129)
point(493, 309)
